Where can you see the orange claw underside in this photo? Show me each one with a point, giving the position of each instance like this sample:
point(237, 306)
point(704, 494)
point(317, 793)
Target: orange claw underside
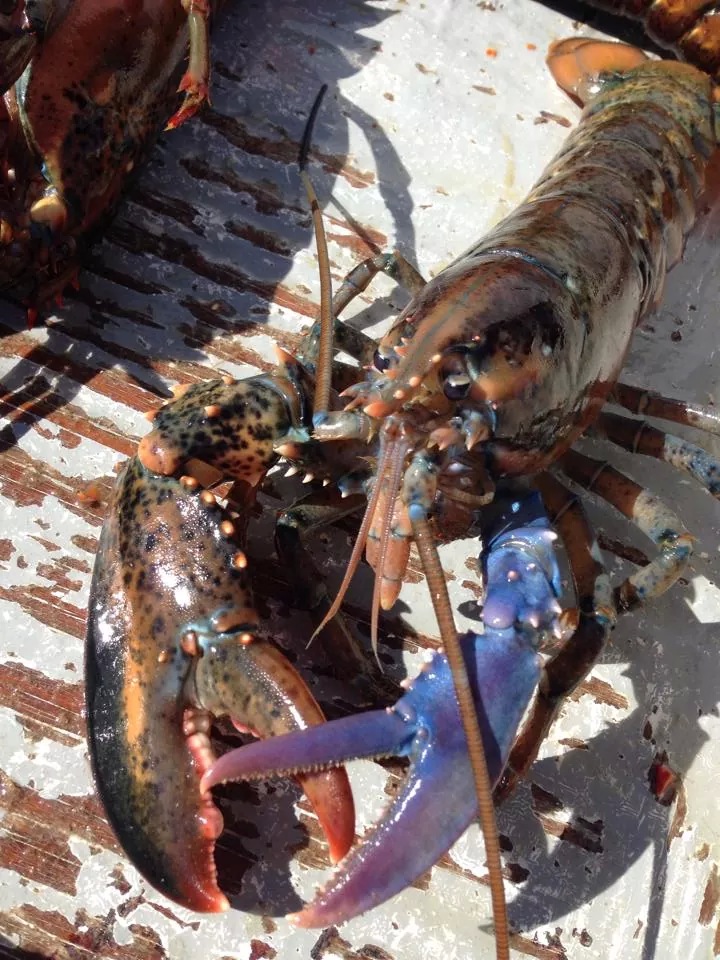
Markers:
point(577, 61)
point(331, 798)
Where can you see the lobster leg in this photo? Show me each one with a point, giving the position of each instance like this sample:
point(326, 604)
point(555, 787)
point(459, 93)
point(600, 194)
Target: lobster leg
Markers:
point(425, 726)
point(577, 655)
point(649, 513)
point(346, 338)
point(361, 276)
point(651, 404)
point(195, 82)
point(637, 436)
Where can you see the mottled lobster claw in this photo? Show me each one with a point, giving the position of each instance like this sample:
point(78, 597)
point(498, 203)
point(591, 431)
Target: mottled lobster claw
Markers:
point(438, 799)
point(170, 642)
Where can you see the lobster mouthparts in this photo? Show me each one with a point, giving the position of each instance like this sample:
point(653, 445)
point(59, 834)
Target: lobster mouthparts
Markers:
point(170, 643)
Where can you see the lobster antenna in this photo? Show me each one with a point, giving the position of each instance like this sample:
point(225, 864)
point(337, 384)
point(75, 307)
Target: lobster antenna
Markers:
point(325, 350)
point(476, 751)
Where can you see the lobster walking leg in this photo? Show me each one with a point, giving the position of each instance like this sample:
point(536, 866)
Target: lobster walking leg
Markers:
point(346, 338)
point(651, 404)
point(649, 513)
point(637, 436)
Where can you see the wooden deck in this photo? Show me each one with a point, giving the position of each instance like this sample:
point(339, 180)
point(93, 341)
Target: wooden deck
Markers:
point(439, 118)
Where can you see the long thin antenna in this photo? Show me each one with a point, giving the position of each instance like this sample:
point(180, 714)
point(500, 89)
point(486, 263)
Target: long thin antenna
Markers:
point(323, 373)
point(476, 750)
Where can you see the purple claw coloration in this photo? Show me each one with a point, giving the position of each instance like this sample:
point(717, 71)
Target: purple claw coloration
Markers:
point(523, 581)
point(438, 797)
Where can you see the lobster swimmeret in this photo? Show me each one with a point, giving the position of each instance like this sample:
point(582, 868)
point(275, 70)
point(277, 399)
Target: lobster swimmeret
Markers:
point(490, 374)
point(81, 109)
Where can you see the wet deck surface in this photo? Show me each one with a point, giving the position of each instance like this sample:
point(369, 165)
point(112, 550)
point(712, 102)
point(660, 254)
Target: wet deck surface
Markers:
point(439, 118)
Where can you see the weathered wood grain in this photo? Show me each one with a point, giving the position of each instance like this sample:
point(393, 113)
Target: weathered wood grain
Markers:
point(438, 120)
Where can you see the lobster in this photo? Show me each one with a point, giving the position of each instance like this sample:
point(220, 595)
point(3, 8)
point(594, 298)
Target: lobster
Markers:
point(80, 111)
point(688, 28)
point(492, 372)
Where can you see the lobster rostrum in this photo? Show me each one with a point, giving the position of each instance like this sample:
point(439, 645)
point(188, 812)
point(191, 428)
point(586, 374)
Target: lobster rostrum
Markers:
point(80, 110)
point(490, 374)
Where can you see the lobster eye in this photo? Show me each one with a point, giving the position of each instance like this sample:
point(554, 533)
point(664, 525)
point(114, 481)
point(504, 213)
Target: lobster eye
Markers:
point(381, 361)
point(456, 386)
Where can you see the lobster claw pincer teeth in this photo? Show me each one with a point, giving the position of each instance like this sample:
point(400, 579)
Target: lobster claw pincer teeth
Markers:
point(171, 643)
point(425, 727)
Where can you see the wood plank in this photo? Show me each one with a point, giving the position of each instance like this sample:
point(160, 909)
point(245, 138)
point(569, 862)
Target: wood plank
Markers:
point(439, 118)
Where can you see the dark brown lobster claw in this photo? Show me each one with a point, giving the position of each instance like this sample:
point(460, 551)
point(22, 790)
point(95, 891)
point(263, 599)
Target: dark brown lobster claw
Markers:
point(170, 642)
point(19, 36)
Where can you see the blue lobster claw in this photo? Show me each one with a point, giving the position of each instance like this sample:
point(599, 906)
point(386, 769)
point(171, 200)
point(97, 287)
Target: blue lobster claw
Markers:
point(424, 725)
